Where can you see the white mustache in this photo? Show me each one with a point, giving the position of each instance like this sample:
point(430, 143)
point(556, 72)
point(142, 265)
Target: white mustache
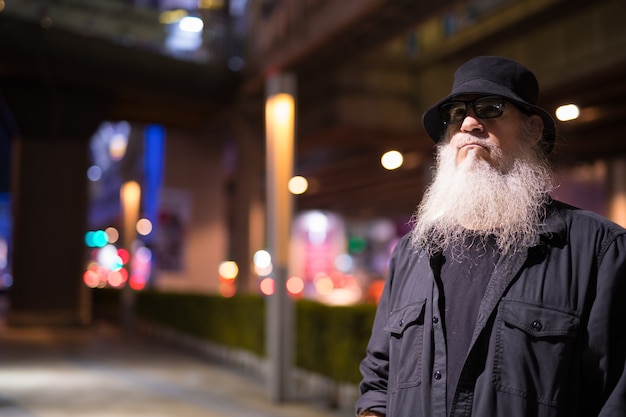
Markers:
point(467, 139)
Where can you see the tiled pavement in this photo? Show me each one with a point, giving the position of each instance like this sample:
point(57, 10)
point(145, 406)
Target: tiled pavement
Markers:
point(98, 372)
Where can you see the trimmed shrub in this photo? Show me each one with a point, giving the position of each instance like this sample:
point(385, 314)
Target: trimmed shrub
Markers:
point(329, 340)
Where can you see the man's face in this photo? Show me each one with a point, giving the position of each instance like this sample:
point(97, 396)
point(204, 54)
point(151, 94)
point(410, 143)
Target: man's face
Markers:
point(477, 160)
point(493, 140)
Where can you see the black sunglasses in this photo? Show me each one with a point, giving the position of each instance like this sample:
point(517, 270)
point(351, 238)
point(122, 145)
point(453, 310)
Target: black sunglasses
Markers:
point(488, 107)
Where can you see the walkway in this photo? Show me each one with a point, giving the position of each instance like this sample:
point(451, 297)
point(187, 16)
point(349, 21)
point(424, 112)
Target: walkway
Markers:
point(96, 372)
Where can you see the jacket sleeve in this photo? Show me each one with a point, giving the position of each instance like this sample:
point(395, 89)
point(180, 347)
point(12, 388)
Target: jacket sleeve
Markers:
point(375, 366)
point(606, 351)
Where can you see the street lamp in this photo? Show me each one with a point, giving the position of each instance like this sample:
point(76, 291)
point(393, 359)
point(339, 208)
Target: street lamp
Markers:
point(279, 130)
point(130, 195)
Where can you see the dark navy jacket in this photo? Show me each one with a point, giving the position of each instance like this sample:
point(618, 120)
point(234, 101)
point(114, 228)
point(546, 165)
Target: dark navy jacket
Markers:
point(550, 336)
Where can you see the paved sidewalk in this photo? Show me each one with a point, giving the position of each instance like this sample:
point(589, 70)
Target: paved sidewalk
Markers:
point(96, 372)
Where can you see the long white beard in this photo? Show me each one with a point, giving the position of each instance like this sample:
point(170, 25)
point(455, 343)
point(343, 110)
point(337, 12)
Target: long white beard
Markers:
point(476, 199)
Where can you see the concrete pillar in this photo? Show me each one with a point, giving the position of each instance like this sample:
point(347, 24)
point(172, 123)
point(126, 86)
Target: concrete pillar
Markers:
point(280, 135)
point(248, 224)
point(49, 203)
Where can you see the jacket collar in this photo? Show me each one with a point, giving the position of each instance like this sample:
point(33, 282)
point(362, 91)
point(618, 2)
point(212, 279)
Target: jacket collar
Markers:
point(554, 229)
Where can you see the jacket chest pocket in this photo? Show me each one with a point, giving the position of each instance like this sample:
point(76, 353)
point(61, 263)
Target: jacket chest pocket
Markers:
point(534, 350)
point(406, 339)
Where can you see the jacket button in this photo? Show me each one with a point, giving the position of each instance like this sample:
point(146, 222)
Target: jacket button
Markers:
point(401, 323)
point(435, 319)
point(537, 325)
point(437, 375)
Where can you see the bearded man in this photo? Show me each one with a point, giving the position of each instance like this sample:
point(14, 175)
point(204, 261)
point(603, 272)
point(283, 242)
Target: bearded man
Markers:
point(501, 302)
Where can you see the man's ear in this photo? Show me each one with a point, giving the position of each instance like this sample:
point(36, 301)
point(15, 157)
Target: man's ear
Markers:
point(536, 129)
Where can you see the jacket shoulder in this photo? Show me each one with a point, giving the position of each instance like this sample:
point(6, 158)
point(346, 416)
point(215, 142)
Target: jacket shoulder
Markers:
point(586, 230)
point(577, 217)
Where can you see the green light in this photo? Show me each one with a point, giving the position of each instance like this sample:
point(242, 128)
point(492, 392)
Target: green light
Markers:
point(89, 239)
point(100, 238)
point(356, 244)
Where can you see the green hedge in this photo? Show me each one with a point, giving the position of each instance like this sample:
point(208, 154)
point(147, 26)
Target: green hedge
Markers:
point(329, 340)
point(234, 322)
point(332, 340)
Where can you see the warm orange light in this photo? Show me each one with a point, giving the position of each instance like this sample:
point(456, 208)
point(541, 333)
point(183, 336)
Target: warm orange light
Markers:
point(295, 285)
point(392, 160)
point(375, 291)
point(324, 284)
point(172, 16)
point(228, 270)
point(130, 195)
point(210, 4)
point(567, 112)
point(298, 185)
point(227, 289)
point(117, 146)
point(279, 125)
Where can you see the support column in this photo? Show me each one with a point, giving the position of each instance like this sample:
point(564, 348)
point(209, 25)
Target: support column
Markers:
point(248, 224)
point(280, 122)
point(49, 203)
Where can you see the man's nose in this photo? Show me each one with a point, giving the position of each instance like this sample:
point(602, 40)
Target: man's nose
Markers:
point(470, 122)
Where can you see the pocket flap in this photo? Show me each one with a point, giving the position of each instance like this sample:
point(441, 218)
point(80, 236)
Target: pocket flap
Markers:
point(539, 320)
point(404, 317)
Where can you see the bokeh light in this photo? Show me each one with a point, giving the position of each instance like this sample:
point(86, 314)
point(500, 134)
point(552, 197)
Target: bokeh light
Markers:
point(228, 270)
point(191, 24)
point(94, 173)
point(96, 239)
point(295, 285)
point(112, 233)
point(262, 263)
point(137, 282)
point(117, 278)
point(344, 263)
point(6, 280)
point(262, 271)
point(172, 16)
point(100, 238)
point(144, 227)
point(323, 283)
point(124, 255)
point(317, 224)
point(567, 112)
point(267, 286)
point(392, 160)
point(262, 258)
point(141, 267)
point(108, 258)
point(117, 146)
point(227, 289)
point(91, 278)
point(106, 267)
point(298, 185)
point(143, 254)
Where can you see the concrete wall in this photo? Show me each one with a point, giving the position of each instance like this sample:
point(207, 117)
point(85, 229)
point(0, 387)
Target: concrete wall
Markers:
point(193, 180)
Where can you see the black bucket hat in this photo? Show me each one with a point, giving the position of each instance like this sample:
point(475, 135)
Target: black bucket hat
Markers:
point(493, 75)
